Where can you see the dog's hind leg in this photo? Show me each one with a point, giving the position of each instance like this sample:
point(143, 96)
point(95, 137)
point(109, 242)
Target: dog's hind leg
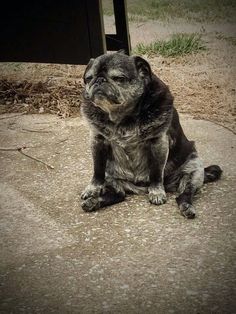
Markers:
point(109, 197)
point(184, 201)
point(190, 183)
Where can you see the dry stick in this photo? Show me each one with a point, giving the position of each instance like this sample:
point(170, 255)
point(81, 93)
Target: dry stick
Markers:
point(20, 150)
point(16, 115)
point(8, 149)
point(25, 146)
point(38, 131)
point(53, 122)
point(36, 159)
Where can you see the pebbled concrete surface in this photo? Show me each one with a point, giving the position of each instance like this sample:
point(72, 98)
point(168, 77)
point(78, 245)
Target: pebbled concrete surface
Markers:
point(129, 258)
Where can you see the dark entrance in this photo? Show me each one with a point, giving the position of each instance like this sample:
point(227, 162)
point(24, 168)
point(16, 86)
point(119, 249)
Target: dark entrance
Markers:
point(52, 31)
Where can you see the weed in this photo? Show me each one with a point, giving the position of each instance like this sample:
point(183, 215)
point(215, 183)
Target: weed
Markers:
point(177, 45)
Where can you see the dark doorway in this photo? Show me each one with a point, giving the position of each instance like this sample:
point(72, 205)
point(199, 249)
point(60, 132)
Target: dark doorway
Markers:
point(59, 31)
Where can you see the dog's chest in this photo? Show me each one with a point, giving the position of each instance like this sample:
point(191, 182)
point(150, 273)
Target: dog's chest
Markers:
point(129, 156)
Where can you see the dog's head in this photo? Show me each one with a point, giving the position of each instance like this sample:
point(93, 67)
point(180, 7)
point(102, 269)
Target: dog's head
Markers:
point(115, 82)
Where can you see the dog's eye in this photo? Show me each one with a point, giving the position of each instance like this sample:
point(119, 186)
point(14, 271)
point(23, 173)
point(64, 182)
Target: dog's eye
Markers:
point(120, 79)
point(88, 79)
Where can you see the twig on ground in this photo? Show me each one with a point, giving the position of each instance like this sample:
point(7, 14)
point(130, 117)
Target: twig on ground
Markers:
point(21, 148)
point(38, 131)
point(13, 116)
point(36, 159)
point(25, 146)
point(8, 149)
point(47, 122)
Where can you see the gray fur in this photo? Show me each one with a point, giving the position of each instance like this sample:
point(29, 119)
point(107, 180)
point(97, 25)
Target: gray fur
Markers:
point(137, 141)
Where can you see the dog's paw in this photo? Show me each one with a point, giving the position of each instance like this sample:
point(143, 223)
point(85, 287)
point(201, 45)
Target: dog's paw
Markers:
point(157, 196)
point(90, 204)
point(187, 210)
point(92, 190)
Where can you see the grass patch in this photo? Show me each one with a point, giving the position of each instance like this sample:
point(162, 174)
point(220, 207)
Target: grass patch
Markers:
point(198, 10)
point(177, 45)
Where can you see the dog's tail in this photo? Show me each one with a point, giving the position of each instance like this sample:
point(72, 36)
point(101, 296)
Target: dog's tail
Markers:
point(212, 173)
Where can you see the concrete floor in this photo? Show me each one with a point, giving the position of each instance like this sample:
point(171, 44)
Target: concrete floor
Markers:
point(129, 258)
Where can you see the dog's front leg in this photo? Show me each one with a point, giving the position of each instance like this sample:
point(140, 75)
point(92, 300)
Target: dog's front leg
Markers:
point(98, 193)
point(159, 149)
point(99, 152)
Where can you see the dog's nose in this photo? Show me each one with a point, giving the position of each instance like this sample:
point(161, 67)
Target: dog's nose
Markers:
point(100, 80)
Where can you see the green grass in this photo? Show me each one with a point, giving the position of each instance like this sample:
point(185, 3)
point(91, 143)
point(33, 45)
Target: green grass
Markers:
point(177, 45)
point(198, 10)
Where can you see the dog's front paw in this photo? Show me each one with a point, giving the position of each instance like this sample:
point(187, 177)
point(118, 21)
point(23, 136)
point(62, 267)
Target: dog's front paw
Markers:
point(92, 190)
point(90, 204)
point(187, 210)
point(157, 195)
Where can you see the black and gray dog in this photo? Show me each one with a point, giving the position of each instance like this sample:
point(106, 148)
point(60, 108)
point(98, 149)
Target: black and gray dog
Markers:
point(138, 144)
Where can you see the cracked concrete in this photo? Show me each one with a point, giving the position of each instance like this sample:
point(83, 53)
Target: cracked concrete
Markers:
point(132, 257)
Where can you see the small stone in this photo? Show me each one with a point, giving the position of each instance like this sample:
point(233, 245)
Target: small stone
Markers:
point(124, 286)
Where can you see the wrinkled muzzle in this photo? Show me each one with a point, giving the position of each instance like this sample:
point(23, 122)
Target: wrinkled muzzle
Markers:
point(104, 92)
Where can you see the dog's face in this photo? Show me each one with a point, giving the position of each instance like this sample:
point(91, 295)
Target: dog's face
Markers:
point(115, 82)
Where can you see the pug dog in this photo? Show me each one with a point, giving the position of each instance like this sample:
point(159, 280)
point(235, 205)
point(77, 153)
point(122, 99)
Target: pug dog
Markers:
point(138, 145)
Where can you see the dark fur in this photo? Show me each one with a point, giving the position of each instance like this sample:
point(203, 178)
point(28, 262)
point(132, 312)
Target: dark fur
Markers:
point(138, 144)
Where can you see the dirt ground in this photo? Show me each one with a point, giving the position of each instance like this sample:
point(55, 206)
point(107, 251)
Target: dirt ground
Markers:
point(203, 84)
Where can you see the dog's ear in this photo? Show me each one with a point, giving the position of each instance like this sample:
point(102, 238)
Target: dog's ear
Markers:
point(143, 68)
point(88, 67)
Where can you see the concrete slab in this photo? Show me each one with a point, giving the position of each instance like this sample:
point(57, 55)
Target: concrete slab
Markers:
point(129, 258)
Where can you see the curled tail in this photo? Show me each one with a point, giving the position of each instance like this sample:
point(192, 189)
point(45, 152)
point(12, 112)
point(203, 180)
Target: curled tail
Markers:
point(212, 173)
